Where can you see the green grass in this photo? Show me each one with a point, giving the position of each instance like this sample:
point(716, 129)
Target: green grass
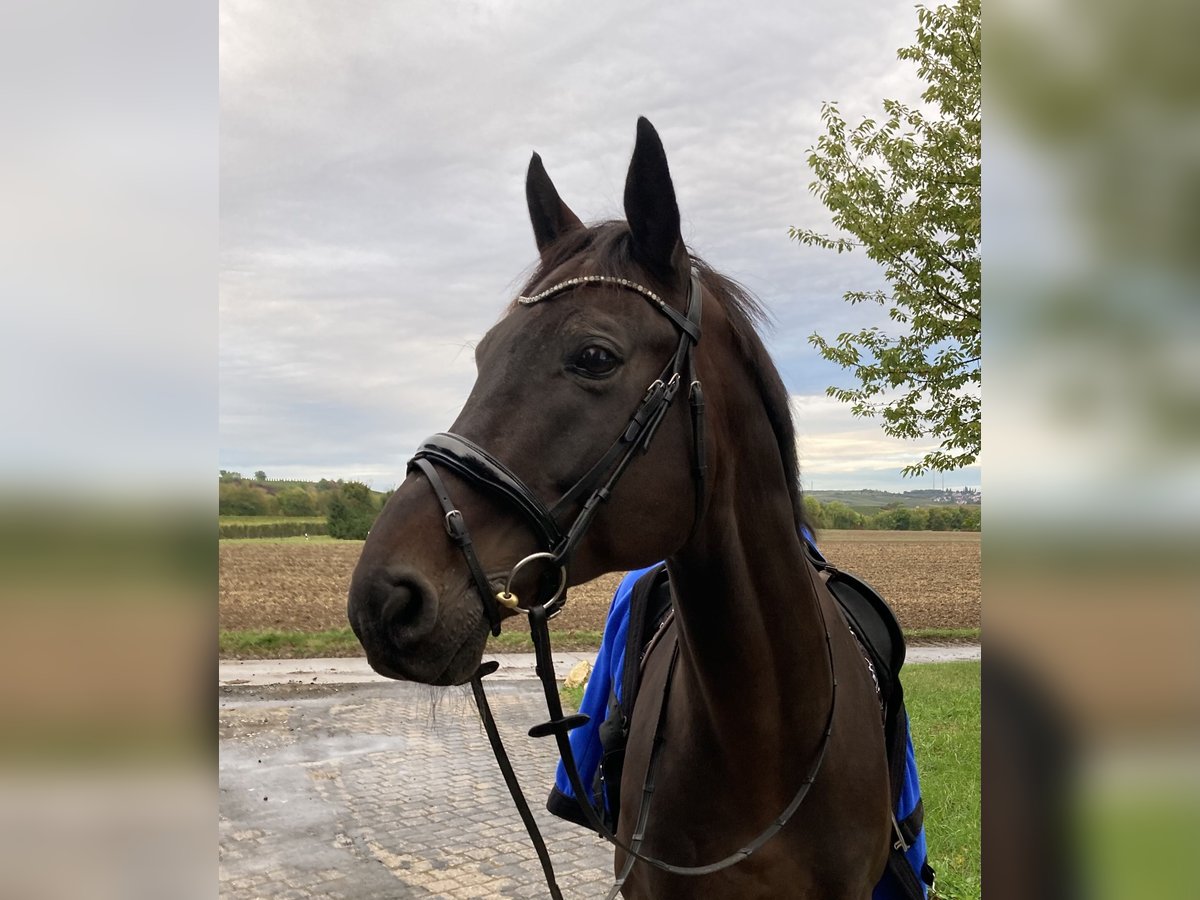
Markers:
point(520, 641)
point(571, 696)
point(300, 539)
point(267, 520)
point(941, 635)
point(944, 709)
point(278, 644)
point(272, 644)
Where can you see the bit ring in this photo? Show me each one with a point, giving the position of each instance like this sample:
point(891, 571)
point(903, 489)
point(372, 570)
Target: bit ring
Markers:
point(510, 600)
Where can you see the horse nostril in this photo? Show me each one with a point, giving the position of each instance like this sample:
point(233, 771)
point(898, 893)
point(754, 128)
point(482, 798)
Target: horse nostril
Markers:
point(401, 606)
point(407, 611)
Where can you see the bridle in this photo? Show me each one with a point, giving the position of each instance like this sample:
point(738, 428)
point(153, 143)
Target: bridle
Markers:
point(480, 469)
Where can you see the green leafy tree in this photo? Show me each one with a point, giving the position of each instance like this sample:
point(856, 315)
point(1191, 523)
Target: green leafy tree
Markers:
point(242, 500)
point(260, 475)
point(840, 515)
point(908, 190)
point(296, 501)
point(814, 512)
point(938, 518)
point(352, 512)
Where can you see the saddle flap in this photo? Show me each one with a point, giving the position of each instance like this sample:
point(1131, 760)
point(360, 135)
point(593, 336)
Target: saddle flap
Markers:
point(873, 622)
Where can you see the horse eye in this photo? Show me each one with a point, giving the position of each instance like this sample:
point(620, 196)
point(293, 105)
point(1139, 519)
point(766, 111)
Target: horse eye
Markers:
point(595, 361)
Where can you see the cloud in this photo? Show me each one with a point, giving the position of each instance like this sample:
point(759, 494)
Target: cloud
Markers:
point(838, 450)
point(373, 220)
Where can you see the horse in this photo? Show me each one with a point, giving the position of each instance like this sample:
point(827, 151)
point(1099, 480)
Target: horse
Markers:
point(767, 682)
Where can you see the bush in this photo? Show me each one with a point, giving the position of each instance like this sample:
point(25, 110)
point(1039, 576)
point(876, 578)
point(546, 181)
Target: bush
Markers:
point(839, 515)
point(815, 513)
point(242, 500)
point(296, 501)
point(297, 528)
point(352, 512)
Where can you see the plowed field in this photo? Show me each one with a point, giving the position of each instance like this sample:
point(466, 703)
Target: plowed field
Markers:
point(931, 580)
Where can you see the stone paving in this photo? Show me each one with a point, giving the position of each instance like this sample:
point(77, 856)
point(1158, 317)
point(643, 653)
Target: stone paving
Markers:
point(387, 790)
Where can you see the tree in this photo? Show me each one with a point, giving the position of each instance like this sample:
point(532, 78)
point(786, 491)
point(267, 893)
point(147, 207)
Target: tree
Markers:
point(908, 190)
point(351, 512)
point(260, 475)
point(242, 500)
point(296, 501)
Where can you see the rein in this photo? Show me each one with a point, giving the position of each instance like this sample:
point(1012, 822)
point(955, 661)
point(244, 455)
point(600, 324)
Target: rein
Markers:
point(478, 467)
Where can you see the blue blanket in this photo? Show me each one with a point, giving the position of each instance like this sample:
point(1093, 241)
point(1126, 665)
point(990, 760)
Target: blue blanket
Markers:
point(606, 678)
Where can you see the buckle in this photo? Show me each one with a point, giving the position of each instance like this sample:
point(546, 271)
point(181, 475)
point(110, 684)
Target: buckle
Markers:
point(455, 526)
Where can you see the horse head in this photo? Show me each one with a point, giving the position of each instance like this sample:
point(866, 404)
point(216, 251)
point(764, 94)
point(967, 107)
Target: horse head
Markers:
point(562, 378)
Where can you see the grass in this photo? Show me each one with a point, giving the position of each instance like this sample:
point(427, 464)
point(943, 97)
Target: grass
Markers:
point(299, 539)
point(281, 644)
point(914, 636)
point(521, 642)
point(944, 709)
point(868, 535)
point(272, 644)
point(266, 520)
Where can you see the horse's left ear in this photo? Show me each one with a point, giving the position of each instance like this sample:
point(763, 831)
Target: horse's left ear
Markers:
point(549, 216)
point(651, 210)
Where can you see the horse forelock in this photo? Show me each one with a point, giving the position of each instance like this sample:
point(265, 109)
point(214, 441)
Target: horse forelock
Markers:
point(608, 249)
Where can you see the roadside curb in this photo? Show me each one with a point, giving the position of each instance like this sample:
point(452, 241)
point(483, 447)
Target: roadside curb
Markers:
point(513, 667)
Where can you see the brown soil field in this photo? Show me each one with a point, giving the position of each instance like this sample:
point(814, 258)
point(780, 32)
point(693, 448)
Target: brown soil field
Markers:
point(931, 580)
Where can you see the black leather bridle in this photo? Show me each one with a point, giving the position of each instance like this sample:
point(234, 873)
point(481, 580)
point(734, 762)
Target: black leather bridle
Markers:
point(480, 469)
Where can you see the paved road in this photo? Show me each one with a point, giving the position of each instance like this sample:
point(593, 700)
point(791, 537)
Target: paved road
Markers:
point(337, 783)
point(386, 790)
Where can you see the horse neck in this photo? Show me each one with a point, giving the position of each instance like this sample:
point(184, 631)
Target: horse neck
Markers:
point(748, 613)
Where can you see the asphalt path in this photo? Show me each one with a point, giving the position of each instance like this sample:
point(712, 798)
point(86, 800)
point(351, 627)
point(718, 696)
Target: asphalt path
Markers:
point(338, 783)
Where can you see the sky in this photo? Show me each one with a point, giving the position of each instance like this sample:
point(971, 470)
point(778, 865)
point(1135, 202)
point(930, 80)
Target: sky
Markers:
point(373, 218)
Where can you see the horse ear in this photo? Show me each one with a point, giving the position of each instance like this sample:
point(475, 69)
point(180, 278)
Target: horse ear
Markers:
point(551, 217)
point(651, 209)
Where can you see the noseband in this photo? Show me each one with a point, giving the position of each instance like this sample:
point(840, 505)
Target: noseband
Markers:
point(480, 469)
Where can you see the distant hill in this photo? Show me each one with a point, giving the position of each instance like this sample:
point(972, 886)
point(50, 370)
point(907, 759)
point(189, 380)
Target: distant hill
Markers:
point(868, 502)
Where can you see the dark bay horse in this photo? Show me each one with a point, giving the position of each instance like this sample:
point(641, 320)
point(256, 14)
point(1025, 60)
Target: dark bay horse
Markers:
point(752, 697)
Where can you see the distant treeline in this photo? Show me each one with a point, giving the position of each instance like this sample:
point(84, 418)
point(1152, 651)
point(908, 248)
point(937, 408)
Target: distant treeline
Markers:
point(238, 496)
point(348, 508)
point(836, 514)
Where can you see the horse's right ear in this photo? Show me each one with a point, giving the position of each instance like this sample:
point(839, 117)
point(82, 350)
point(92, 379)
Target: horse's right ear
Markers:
point(551, 218)
point(651, 210)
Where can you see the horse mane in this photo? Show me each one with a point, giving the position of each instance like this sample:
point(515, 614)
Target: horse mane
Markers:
point(608, 246)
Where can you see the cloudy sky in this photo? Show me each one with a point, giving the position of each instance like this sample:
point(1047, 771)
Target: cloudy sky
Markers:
point(373, 220)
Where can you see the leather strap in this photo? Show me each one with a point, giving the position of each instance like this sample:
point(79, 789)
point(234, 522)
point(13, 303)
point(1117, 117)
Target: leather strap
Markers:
point(559, 726)
point(476, 465)
point(510, 776)
point(456, 527)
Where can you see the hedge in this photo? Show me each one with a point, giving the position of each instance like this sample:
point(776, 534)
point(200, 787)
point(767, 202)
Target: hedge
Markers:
point(271, 529)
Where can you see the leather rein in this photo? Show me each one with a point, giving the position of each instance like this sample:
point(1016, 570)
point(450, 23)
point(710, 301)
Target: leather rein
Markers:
point(479, 468)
